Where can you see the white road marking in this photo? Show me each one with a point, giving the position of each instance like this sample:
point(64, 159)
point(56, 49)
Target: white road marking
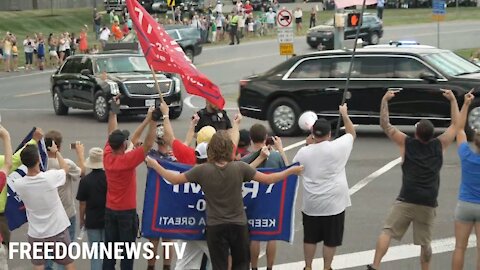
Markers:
point(395, 253)
point(24, 109)
point(365, 181)
point(295, 145)
point(188, 101)
point(28, 75)
point(32, 94)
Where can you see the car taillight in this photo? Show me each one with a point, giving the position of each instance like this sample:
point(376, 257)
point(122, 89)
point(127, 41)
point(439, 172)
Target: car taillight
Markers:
point(244, 82)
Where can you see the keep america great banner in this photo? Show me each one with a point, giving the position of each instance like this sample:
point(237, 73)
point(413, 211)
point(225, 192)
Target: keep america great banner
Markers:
point(178, 211)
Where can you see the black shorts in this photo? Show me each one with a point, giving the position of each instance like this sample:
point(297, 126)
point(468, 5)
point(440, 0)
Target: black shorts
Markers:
point(298, 20)
point(328, 229)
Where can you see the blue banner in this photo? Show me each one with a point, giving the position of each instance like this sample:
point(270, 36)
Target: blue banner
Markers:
point(178, 211)
point(15, 209)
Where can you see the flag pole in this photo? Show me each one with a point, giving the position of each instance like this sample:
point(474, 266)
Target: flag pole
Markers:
point(347, 84)
point(157, 86)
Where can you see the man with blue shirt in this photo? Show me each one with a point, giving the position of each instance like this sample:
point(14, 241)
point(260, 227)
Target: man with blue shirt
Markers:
point(380, 6)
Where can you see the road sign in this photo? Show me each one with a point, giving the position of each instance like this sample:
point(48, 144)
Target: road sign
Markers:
point(284, 18)
point(286, 48)
point(170, 3)
point(285, 32)
point(285, 35)
point(439, 10)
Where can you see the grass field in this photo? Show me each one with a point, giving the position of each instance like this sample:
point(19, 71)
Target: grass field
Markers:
point(466, 53)
point(23, 23)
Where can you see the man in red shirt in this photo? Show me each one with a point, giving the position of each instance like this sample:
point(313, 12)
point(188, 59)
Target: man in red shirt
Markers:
point(248, 8)
point(121, 220)
point(182, 152)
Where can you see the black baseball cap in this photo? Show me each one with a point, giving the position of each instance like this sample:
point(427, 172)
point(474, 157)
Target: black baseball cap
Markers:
point(117, 138)
point(321, 127)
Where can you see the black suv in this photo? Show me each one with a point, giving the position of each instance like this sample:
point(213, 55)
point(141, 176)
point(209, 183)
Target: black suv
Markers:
point(89, 81)
point(315, 82)
point(187, 37)
point(371, 31)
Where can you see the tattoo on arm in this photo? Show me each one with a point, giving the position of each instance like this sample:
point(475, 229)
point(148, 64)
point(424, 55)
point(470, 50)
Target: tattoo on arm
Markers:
point(384, 116)
point(390, 130)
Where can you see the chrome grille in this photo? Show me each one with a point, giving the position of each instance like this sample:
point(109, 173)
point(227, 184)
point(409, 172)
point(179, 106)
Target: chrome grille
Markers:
point(145, 88)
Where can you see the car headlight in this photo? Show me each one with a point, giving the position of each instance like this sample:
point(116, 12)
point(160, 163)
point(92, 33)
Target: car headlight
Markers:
point(114, 89)
point(178, 87)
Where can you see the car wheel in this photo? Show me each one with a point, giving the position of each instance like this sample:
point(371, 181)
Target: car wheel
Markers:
point(58, 106)
point(283, 117)
point(189, 54)
point(174, 114)
point(100, 107)
point(374, 38)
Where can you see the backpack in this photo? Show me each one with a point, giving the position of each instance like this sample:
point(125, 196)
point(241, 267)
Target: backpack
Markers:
point(41, 48)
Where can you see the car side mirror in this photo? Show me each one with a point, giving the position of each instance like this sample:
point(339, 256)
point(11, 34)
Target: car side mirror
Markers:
point(429, 77)
point(86, 72)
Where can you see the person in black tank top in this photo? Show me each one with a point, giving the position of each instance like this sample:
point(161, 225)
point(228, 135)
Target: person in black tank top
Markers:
point(422, 160)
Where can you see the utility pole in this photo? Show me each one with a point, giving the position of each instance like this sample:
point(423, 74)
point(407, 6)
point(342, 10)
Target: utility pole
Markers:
point(339, 24)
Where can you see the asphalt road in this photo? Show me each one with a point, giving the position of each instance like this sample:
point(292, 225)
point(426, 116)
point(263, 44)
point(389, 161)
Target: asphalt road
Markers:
point(24, 102)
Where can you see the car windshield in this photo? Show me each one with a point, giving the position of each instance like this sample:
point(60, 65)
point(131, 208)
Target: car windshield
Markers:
point(451, 64)
point(122, 64)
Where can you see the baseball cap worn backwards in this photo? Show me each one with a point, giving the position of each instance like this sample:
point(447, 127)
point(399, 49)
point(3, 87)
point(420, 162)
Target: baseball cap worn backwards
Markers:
point(321, 128)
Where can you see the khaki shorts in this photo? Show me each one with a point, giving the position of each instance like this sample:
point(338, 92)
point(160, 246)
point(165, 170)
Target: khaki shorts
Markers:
point(62, 237)
point(402, 214)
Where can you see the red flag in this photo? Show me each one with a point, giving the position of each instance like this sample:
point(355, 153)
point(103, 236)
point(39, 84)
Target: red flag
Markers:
point(164, 54)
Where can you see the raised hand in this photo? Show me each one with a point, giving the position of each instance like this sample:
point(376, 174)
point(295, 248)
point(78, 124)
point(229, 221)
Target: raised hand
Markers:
point(448, 94)
point(389, 95)
point(469, 97)
point(343, 109)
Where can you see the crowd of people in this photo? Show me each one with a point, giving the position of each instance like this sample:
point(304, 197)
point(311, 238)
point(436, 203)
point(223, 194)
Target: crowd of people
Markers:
point(223, 158)
point(214, 24)
point(40, 51)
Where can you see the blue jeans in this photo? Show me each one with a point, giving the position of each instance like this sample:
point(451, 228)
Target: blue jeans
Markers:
point(96, 236)
point(71, 230)
point(97, 30)
point(120, 226)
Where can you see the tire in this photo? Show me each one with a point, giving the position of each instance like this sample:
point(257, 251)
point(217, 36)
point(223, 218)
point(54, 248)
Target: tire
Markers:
point(100, 107)
point(175, 113)
point(58, 106)
point(189, 54)
point(283, 115)
point(373, 39)
point(314, 46)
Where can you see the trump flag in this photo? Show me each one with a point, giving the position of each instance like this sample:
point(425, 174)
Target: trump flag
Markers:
point(178, 211)
point(164, 54)
point(15, 209)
